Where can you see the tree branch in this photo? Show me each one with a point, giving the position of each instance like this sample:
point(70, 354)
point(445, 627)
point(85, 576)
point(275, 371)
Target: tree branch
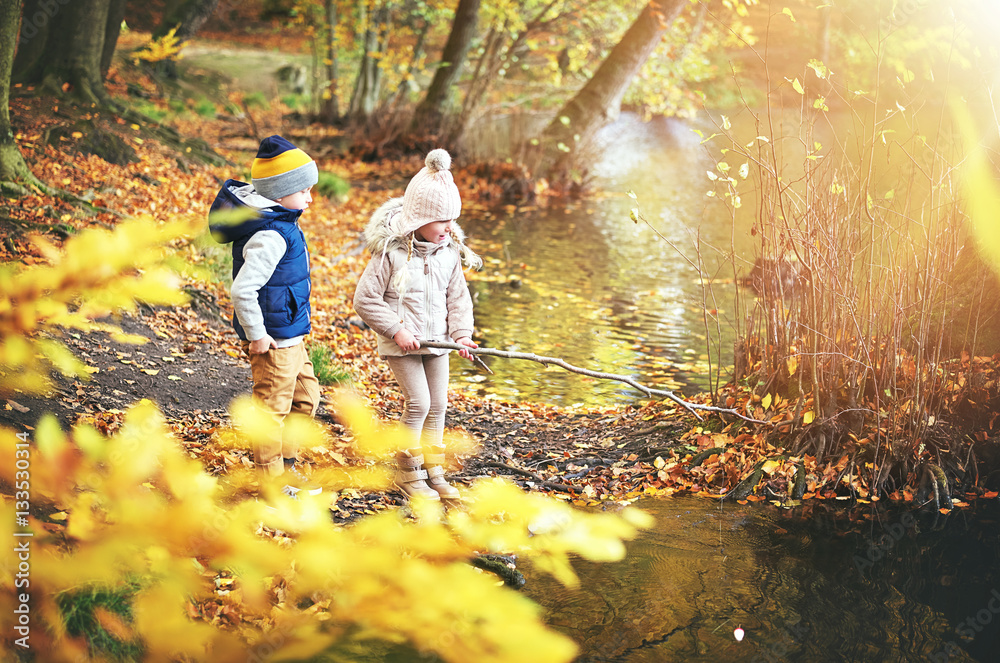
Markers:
point(690, 407)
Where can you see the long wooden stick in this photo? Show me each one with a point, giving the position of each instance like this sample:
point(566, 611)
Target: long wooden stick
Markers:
point(690, 407)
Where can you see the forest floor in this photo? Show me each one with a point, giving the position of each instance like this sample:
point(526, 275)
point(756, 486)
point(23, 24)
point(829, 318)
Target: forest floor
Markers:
point(192, 367)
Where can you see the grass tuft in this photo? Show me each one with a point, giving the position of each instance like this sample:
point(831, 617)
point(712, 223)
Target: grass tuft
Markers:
point(88, 611)
point(332, 186)
point(328, 370)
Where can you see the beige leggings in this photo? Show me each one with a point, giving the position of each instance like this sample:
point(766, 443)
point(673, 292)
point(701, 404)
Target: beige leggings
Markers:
point(423, 379)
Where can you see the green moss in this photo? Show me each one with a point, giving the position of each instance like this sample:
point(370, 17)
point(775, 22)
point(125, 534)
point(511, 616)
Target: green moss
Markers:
point(152, 111)
point(294, 101)
point(216, 259)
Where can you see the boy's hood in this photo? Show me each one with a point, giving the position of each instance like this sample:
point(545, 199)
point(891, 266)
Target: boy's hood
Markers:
point(382, 232)
point(235, 195)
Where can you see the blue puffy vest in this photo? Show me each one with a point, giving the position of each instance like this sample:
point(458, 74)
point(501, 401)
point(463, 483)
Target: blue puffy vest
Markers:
point(284, 299)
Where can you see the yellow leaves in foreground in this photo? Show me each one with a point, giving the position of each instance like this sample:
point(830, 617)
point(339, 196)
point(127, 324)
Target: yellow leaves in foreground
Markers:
point(134, 509)
point(133, 515)
point(96, 272)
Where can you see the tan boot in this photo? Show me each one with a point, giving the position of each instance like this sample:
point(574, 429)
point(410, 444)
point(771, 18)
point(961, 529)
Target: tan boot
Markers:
point(410, 478)
point(434, 466)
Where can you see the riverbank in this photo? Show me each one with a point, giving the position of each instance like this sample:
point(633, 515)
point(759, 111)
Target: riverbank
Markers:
point(191, 366)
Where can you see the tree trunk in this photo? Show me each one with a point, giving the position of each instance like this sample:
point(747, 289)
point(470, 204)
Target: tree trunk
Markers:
point(408, 85)
point(823, 34)
point(116, 14)
point(822, 87)
point(75, 34)
point(482, 79)
point(489, 67)
point(428, 117)
point(36, 25)
point(329, 110)
point(187, 16)
point(366, 90)
point(12, 166)
point(599, 101)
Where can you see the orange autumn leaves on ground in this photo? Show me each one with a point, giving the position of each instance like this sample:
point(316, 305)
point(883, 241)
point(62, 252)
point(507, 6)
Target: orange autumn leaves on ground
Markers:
point(763, 461)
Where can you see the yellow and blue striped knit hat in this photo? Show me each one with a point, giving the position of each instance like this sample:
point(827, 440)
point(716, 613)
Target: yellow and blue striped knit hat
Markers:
point(282, 169)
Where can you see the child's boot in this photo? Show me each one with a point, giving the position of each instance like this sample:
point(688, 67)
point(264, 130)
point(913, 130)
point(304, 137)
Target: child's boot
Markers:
point(434, 466)
point(411, 477)
point(300, 482)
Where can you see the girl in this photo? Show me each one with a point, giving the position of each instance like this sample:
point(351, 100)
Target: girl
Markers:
point(414, 289)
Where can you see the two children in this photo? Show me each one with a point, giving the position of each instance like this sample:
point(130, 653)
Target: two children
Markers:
point(271, 288)
point(412, 289)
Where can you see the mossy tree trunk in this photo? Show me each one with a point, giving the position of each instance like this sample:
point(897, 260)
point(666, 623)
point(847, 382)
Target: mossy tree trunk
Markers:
point(65, 46)
point(12, 165)
point(599, 101)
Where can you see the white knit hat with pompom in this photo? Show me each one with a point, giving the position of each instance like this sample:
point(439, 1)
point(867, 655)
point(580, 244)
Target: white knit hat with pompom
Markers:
point(431, 195)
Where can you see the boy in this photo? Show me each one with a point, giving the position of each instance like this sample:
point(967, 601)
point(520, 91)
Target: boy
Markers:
point(271, 288)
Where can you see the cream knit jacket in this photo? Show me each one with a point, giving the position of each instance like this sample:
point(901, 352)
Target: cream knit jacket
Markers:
point(423, 290)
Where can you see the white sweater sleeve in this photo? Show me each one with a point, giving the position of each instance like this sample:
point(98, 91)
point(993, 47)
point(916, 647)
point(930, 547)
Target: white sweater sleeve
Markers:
point(261, 255)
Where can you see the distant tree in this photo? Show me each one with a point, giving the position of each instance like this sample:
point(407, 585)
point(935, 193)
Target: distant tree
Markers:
point(329, 109)
point(419, 24)
point(428, 117)
point(599, 101)
point(67, 46)
point(506, 39)
point(368, 84)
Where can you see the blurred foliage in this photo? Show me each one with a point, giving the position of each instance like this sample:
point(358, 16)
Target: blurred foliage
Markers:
point(524, 47)
point(95, 273)
point(692, 67)
point(136, 548)
point(93, 614)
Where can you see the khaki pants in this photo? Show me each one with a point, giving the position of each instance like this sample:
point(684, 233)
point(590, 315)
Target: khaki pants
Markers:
point(283, 383)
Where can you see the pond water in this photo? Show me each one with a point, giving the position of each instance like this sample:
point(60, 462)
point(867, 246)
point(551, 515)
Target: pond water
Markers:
point(806, 584)
point(588, 285)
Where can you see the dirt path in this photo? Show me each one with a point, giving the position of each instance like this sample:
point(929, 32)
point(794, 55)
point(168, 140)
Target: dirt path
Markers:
point(186, 365)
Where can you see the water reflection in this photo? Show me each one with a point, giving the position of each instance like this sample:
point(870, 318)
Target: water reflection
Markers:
point(815, 585)
point(590, 286)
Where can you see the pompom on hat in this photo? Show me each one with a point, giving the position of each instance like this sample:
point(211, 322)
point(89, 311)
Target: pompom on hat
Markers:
point(281, 169)
point(431, 195)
